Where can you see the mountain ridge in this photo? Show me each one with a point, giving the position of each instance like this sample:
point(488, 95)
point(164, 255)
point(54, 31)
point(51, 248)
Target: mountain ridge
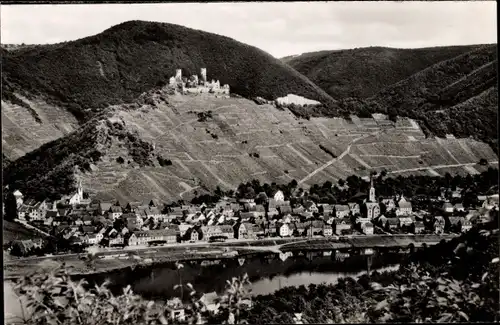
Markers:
point(127, 59)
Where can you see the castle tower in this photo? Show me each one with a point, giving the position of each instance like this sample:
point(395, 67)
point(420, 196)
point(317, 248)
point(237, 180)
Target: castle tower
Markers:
point(372, 191)
point(203, 74)
point(178, 75)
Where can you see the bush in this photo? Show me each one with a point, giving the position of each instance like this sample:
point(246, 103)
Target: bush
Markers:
point(120, 160)
point(55, 298)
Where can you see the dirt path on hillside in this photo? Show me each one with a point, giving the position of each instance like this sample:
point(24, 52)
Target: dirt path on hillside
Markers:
point(434, 167)
point(342, 155)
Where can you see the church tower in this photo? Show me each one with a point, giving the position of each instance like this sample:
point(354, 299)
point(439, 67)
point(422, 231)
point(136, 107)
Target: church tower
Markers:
point(80, 189)
point(372, 191)
point(203, 73)
point(178, 75)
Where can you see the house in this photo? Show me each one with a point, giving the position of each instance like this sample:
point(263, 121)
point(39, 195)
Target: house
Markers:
point(418, 227)
point(168, 235)
point(439, 224)
point(87, 219)
point(22, 212)
point(360, 221)
point(327, 230)
point(367, 228)
point(380, 220)
point(258, 210)
point(354, 208)
point(278, 196)
point(390, 204)
point(447, 207)
point(341, 211)
point(372, 210)
point(193, 234)
point(342, 226)
point(211, 231)
point(459, 207)
point(115, 212)
point(91, 239)
point(210, 302)
point(298, 210)
point(481, 198)
point(34, 213)
point(227, 231)
point(328, 209)
point(457, 193)
point(298, 229)
point(392, 223)
point(310, 206)
point(466, 225)
point(117, 239)
point(19, 198)
point(404, 207)
point(405, 221)
point(314, 228)
point(257, 230)
point(491, 202)
point(138, 238)
point(243, 230)
point(282, 229)
point(455, 223)
point(51, 214)
point(87, 229)
point(24, 247)
point(285, 209)
point(132, 221)
point(63, 212)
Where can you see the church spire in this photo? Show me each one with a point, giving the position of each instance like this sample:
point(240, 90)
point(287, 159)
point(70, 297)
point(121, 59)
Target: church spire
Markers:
point(372, 190)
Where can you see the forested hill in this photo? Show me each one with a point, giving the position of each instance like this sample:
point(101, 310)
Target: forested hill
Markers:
point(363, 72)
point(448, 90)
point(128, 59)
point(457, 96)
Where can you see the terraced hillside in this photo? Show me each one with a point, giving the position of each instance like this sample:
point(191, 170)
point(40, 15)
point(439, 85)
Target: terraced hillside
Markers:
point(119, 64)
point(30, 123)
point(218, 141)
point(363, 72)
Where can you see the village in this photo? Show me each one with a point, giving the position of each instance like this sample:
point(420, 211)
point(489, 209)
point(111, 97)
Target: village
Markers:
point(82, 222)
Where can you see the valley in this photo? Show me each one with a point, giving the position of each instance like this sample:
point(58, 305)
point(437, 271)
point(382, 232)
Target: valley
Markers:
point(244, 141)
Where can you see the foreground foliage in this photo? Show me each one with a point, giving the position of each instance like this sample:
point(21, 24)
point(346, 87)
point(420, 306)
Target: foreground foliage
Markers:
point(451, 282)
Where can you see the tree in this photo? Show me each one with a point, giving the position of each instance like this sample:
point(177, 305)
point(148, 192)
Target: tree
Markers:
point(10, 206)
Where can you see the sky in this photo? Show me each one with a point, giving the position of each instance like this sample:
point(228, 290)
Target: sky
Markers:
point(280, 29)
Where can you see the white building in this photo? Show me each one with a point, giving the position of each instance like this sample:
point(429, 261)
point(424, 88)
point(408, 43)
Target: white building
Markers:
point(404, 207)
point(77, 198)
point(19, 198)
point(367, 228)
point(283, 230)
point(279, 196)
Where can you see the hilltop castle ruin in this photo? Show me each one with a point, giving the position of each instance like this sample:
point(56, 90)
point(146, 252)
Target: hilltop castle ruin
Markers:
point(196, 85)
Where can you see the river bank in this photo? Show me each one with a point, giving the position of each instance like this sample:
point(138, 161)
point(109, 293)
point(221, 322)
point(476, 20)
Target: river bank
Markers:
point(183, 252)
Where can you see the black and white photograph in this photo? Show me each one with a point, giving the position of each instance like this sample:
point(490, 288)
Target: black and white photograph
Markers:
point(250, 162)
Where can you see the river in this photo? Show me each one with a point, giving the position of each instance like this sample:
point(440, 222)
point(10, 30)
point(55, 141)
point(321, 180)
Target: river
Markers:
point(267, 272)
